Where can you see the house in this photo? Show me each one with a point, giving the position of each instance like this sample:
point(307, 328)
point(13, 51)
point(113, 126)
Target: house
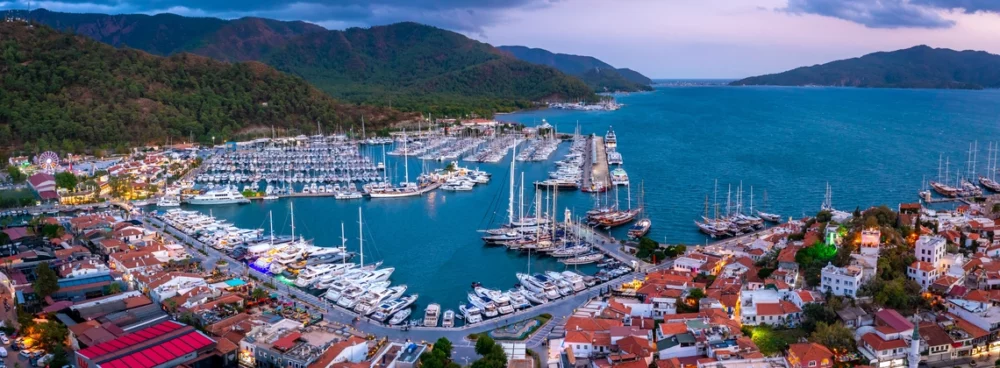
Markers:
point(924, 273)
point(786, 258)
point(937, 341)
point(931, 249)
point(809, 355)
point(854, 317)
point(887, 346)
point(768, 306)
point(673, 340)
point(841, 281)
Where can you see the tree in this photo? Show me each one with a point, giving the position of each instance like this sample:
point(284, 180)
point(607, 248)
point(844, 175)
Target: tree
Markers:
point(258, 294)
point(824, 216)
point(834, 336)
point(16, 175)
point(59, 357)
point(646, 247)
point(46, 281)
point(814, 313)
point(114, 288)
point(66, 180)
point(484, 344)
point(445, 345)
point(52, 334)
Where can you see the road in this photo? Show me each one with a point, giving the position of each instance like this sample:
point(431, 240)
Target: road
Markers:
point(560, 309)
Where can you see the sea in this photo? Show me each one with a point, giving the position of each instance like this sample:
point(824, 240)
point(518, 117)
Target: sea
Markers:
point(872, 146)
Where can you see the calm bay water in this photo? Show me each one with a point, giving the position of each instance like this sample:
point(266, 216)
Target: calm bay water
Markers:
point(872, 146)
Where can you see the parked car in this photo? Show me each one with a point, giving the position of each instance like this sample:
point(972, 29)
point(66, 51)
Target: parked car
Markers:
point(3, 353)
point(4, 339)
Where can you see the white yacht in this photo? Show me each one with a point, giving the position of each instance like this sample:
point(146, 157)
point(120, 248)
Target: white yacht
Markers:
point(168, 201)
point(311, 274)
point(368, 302)
point(431, 315)
point(471, 313)
point(227, 195)
point(386, 309)
point(449, 319)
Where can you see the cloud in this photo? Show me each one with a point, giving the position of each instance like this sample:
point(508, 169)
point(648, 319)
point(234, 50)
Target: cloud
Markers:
point(460, 15)
point(876, 13)
point(968, 6)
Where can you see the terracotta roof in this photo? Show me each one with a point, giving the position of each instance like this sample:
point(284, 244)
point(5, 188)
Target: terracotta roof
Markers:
point(635, 345)
point(334, 350)
point(782, 307)
point(805, 295)
point(878, 344)
point(970, 328)
point(922, 266)
point(933, 334)
point(807, 352)
point(892, 318)
point(670, 329)
point(576, 323)
point(788, 254)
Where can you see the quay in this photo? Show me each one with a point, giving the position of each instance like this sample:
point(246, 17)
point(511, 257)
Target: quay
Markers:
point(425, 189)
point(609, 246)
point(595, 166)
point(560, 308)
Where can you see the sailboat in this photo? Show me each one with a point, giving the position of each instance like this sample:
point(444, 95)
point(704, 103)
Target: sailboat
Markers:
point(405, 188)
point(768, 216)
point(991, 167)
point(641, 227)
point(616, 217)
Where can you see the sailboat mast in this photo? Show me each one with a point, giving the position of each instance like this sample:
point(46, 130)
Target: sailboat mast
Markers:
point(555, 212)
point(520, 201)
point(271, 216)
point(363, 135)
point(751, 200)
point(406, 159)
point(361, 238)
point(291, 206)
point(343, 242)
point(510, 198)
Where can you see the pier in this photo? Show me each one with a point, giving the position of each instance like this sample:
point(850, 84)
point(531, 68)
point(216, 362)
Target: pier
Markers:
point(595, 166)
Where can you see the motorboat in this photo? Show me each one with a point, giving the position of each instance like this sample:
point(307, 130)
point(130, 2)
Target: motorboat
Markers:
point(432, 314)
point(368, 302)
point(386, 309)
point(448, 319)
point(471, 313)
point(400, 316)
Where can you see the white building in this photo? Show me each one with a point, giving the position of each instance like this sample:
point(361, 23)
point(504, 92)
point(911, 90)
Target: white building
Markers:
point(931, 249)
point(841, 281)
point(923, 273)
point(688, 264)
point(767, 306)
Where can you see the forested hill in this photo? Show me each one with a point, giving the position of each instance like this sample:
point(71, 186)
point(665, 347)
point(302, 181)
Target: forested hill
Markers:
point(915, 67)
point(70, 93)
point(409, 66)
point(597, 74)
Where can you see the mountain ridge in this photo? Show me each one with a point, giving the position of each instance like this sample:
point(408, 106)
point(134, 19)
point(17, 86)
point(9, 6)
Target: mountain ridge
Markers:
point(427, 67)
point(598, 74)
point(916, 67)
point(68, 92)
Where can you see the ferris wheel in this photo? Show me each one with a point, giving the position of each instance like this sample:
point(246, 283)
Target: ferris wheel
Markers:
point(47, 161)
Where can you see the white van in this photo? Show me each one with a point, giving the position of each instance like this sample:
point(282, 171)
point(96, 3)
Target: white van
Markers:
point(3, 352)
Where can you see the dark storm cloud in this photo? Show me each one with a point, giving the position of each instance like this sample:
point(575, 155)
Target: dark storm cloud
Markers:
point(460, 15)
point(874, 13)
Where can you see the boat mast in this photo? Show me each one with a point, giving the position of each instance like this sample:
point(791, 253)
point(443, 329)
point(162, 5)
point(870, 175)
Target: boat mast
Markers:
point(628, 193)
point(363, 135)
point(715, 201)
point(406, 160)
point(729, 199)
point(520, 201)
point(751, 201)
point(271, 216)
point(343, 242)
point(291, 206)
point(510, 198)
point(555, 213)
point(361, 238)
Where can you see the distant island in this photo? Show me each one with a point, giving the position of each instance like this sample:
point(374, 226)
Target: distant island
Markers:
point(600, 76)
point(915, 67)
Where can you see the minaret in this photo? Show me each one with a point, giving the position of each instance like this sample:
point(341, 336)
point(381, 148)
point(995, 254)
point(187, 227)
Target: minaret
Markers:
point(913, 358)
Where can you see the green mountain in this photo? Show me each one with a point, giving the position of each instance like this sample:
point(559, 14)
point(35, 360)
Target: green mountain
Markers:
point(915, 67)
point(407, 66)
point(70, 93)
point(597, 74)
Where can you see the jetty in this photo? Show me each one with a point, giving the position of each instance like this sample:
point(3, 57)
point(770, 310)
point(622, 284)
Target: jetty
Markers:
point(595, 166)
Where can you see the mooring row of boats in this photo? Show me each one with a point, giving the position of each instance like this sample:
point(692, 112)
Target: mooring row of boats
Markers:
point(495, 149)
point(362, 288)
point(538, 149)
point(735, 220)
point(569, 170)
point(317, 160)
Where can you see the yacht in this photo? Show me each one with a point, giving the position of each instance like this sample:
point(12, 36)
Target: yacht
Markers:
point(386, 309)
point(534, 297)
point(471, 313)
point(431, 315)
point(370, 301)
point(227, 195)
point(168, 201)
point(539, 284)
point(619, 177)
point(350, 297)
point(311, 274)
point(488, 307)
point(400, 316)
point(448, 319)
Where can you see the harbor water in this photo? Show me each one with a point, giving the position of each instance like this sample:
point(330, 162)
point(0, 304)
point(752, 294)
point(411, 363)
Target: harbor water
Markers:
point(872, 146)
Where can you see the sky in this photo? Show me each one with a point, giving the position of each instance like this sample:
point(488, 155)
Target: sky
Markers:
point(659, 38)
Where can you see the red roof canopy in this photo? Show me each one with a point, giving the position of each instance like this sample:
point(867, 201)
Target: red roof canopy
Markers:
point(130, 339)
point(287, 341)
point(162, 353)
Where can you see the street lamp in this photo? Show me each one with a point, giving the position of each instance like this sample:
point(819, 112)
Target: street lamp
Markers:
point(213, 141)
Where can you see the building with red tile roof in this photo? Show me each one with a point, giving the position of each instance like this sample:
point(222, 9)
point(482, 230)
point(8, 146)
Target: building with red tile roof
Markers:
point(166, 344)
point(809, 355)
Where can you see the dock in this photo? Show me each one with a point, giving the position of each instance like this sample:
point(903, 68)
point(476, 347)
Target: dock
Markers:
point(595, 172)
